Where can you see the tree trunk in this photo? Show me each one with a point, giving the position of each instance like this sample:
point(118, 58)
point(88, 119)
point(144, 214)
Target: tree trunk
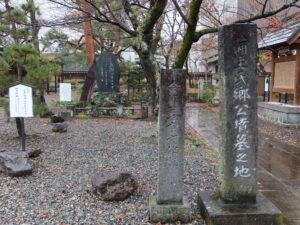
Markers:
point(152, 74)
point(34, 27)
point(167, 64)
point(189, 36)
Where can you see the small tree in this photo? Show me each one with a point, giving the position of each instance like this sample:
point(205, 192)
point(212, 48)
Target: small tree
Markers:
point(20, 59)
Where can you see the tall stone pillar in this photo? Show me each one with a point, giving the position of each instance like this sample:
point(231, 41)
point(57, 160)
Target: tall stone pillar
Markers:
point(238, 140)
point(169, 205)
point(238, 113)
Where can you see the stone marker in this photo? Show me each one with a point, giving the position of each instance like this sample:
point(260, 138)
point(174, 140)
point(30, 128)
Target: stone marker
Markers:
point(169, 204)
point(59, 127)
point(34, 153)
point(57, 119)
point(238, 144)
point(113, 186)
point(107, 73)
point(15, 163)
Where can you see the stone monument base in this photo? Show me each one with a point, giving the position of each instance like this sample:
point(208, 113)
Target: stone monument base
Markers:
point(168, 213)
point(283, 114)
point(215, 212)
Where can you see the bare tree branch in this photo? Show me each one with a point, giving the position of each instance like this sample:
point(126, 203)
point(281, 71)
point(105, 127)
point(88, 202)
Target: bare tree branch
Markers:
point(270, 13)
point(181, 13)
point(155, 12)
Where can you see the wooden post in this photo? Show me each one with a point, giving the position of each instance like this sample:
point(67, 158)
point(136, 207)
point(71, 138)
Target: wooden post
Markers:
point(23, 134)
point(272, 94)
point(55, 83)
point(48, 86)
point(297, 79)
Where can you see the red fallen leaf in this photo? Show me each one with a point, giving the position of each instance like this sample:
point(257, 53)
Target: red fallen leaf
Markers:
point(142, 185)
point(44, 215)
point(119, 217)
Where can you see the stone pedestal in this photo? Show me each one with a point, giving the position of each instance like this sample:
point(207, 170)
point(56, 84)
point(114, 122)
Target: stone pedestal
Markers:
point(168, 204)
point(216, 212)
point(166, 213)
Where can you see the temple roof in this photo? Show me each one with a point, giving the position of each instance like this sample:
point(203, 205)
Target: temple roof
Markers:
point(283, 36)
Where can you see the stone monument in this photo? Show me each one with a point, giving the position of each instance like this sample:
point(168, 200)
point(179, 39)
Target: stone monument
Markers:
point(107, 73)
point(237, 201)
point(169, 205)
point(108, 101)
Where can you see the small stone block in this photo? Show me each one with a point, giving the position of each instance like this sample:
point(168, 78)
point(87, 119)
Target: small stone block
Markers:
point(215, 212)
point(168, 213)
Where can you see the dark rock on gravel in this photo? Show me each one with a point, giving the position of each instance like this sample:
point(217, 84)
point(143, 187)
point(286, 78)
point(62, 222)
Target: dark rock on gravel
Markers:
point(34, 153)
point(57, 119)
point(15, 163)
point(60, 127)
point(113, 186)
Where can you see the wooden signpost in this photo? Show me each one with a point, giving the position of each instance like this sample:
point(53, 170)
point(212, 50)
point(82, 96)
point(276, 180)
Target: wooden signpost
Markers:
point(21, 105)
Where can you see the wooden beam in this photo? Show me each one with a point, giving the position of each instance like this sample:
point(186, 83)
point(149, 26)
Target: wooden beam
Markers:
point(272, 93)
point(285, 59)
point(297, 79)
point(294, 38)
point(283, 90)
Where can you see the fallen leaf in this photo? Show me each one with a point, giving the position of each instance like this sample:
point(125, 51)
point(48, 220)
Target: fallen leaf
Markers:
point(44, 215)
point(119, 217)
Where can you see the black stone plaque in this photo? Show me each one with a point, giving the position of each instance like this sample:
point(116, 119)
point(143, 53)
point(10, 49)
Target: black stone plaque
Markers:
point(107, 73)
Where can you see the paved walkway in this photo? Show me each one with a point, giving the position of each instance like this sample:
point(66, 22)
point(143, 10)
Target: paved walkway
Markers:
point(279, 163)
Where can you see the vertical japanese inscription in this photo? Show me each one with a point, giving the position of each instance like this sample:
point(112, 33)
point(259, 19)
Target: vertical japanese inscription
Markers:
point(171, 136)
point(107, 73)
point(20, 101)
point(241, 100)
point(237, 63)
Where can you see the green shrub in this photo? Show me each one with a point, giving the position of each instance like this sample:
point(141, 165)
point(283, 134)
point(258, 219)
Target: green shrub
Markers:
point(40, 109)
point(5, 105)
point(208, 94)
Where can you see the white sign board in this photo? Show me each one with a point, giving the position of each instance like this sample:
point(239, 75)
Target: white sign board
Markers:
point(20, 101)
point(267, 81)
point(65, 92)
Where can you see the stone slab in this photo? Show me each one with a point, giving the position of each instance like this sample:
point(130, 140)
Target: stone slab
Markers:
point(215, 212)
point(107, 72)
point(15, 163)
point(167, 213)
point(171, 136)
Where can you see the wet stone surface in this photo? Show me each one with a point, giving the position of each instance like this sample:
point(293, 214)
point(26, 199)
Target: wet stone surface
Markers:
point(278, 171)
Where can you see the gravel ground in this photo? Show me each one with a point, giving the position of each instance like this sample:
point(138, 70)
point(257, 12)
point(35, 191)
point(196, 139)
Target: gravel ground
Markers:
point(59, 191)
point(283, 134)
